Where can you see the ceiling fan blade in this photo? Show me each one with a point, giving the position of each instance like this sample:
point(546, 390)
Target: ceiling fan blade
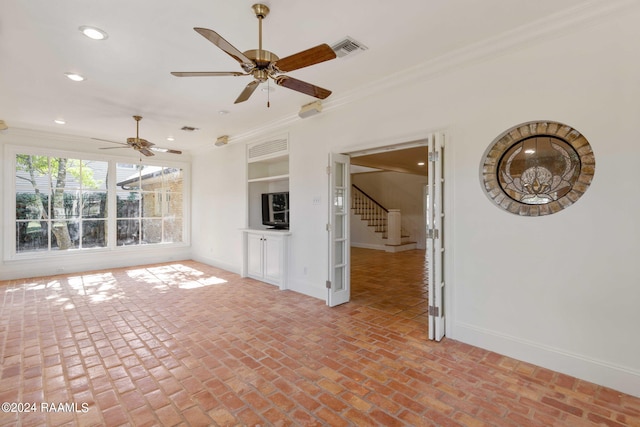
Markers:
point(304, 87)
point(165, 150)
point(217, 39)
point(146, 152)
point(207, 73)
point(248, 91)
point(312, 56)
point(113, 142)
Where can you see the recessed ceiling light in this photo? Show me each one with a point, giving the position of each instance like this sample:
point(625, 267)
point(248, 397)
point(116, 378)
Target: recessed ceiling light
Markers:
point(75, 77)
point(267, 88)
point(223, 112)
point(93, 33)
point(170, 138)
point(59, 121)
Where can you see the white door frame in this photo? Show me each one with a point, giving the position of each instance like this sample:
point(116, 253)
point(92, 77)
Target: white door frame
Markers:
point(446, 232)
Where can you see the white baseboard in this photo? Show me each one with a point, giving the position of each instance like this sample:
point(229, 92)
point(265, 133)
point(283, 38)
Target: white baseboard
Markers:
point(589, 369)
point(310, 291)
point(217, 264)
point(368, 246)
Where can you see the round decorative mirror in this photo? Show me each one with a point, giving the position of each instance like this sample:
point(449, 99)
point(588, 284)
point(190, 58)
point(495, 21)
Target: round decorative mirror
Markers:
point(537, 168)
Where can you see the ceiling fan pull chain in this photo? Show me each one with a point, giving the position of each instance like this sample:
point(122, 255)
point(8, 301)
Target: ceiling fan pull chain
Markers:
point(268, 94)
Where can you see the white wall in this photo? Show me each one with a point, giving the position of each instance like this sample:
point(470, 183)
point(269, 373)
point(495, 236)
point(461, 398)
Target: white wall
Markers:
point(219, 206)
point(561, 291)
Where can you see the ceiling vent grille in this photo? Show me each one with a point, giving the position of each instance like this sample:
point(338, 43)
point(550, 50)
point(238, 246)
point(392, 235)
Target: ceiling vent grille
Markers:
point(348, 46)
point(278, 146)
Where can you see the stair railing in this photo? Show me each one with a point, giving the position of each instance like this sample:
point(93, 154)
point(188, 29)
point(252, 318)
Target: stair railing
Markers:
point(369, 210)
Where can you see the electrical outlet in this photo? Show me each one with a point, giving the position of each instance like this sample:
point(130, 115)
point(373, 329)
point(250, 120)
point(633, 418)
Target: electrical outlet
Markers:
point(316, 200)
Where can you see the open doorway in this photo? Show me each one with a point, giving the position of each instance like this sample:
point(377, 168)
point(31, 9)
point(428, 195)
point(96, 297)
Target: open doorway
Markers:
point(390, 274)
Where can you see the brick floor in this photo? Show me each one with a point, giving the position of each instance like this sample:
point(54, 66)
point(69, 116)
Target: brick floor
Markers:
point(185, 344)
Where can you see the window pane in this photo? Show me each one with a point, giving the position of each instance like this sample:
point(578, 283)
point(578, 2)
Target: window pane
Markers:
point(151, 178)
point(65, 234)
point(30, 206)
point(151, 231)
point(128, 204)
point(128, 232)
point(338, 280)
point(339, 232)
point(32, 172)
point(94, 175)
point(94, 205)
point(172, 230)
point(173, 205)
point(152, 204)
point(31, 236)
point(128, 176)
point(339, 171)
point(173, 179)
point(93, 234)
point(338, 200)
point(65, 203)
point(65, 173)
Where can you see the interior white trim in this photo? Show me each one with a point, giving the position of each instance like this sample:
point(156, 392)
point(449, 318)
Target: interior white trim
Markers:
point(573, 364)
point(589, 13)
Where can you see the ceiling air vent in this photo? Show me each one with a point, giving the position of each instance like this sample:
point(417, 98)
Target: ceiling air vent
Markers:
point(348, 46)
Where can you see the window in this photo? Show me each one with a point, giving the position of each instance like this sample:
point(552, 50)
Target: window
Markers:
point(67, 203)
point(149, 205)
point(61, 203)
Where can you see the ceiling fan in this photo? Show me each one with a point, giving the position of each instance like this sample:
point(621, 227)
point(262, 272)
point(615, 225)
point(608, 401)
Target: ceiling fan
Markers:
point(262, 64)
point(142, 145)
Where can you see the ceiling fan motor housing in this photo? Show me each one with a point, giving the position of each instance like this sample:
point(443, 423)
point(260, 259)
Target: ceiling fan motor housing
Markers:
point(263, 58)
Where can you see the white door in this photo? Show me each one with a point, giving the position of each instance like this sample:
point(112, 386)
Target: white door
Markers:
point(338, 286)
point(435, 247)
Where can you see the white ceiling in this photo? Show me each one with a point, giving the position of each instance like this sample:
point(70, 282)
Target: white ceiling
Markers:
point(128, 74)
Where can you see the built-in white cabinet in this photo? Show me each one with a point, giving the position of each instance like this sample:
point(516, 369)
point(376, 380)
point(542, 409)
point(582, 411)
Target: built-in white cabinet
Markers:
point(266, 255)
point(266, 251)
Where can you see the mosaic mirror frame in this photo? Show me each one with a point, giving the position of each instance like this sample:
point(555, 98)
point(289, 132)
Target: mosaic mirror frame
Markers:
point(537, 168)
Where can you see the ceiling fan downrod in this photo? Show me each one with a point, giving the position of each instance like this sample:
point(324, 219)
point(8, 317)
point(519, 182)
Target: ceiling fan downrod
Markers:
point(137, 119)
point(261, 12)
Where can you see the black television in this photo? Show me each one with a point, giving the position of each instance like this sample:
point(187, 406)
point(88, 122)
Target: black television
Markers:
point(275, 210)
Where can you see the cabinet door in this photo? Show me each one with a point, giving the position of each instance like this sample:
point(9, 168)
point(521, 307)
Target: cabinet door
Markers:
point(254, 255)
point(273, 248)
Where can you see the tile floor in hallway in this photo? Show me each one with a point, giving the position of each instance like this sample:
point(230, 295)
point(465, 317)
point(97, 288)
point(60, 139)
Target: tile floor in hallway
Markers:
point(185, 344)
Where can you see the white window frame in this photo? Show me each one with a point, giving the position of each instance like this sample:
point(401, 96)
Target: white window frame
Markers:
point(9, 188)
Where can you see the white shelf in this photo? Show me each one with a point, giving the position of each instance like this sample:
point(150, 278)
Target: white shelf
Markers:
point(269, 169)
point(269, 178)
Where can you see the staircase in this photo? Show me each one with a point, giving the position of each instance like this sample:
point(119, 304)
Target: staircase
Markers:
point(376, 218)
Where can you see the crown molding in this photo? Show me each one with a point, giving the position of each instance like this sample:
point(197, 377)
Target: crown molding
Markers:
point(590, 13)
point(556, 25)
